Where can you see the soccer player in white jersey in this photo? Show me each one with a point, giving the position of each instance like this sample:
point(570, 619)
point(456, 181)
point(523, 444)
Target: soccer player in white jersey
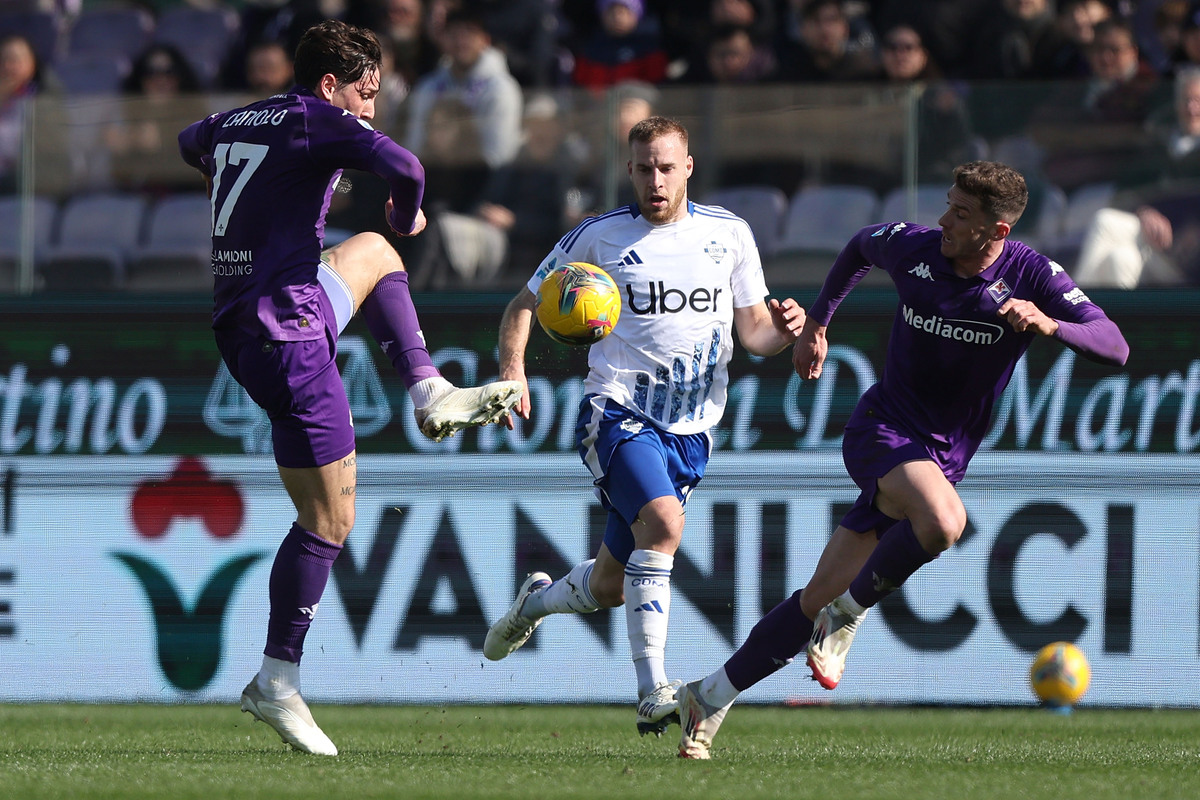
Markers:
point(689, 274)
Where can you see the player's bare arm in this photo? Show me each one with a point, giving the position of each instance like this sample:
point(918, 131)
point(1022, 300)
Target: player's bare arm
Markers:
point(808, 353)
point(515, 326)
point(765, 330)
point(1023, 315)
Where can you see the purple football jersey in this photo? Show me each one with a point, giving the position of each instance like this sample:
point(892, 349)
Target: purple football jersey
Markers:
point(950, 356)
point(274, 165)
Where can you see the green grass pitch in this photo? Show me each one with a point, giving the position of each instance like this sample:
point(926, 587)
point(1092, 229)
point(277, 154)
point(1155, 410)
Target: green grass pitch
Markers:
point(205, 751)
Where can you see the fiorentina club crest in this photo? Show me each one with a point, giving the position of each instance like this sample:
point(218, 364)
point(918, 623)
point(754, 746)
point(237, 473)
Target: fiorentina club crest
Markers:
point(999, 291)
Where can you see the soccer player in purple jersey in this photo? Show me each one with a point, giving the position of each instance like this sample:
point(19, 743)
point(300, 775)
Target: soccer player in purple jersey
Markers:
point(280, 303)
point(971, 302)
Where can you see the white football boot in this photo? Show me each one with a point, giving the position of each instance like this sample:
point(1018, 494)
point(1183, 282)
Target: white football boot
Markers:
point(657, 710)
point(833, 633)
point(699, 722)
point(512, 630)
point(290, 718)
point(456, 409)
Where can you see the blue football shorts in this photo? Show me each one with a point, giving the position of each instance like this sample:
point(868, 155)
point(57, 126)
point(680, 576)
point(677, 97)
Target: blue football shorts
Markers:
point(632, 462)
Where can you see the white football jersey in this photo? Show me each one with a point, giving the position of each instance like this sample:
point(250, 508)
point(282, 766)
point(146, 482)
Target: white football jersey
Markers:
point(667, 358)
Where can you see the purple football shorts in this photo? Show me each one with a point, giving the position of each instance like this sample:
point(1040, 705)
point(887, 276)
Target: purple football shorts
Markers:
point(873, 446)
point(634, 462)
point(300, 388)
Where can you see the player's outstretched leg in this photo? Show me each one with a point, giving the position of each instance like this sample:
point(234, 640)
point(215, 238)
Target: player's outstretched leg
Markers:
point(290, 718)
point(833, 633)
point(658, 709)
point(441, 409)
point(513, 629)
point(699, 722)
point(456, 409)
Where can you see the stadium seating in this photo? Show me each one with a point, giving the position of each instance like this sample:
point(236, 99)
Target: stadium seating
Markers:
point(176, 254)
point(763, 208)
point(202, 35)
point(92, 73)
point(41, 28)
point(820, 218)
point(96, 233)
point(924, 206)
point(1082, 204)
point(12, 208)
point(111, 30)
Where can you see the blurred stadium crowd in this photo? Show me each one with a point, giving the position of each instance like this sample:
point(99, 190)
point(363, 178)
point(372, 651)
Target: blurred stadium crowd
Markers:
point(809, 118)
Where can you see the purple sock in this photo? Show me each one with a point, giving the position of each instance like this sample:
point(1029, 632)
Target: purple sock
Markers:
point(297, 581)
point(771, 645)
point(897, 556)
point(392, 320)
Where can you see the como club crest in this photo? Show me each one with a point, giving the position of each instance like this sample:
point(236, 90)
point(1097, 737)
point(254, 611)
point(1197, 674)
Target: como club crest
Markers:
point(716, 251)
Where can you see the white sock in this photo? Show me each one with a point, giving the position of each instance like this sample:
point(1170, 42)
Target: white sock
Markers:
point(647, 611)
point(278, 679)
point(716, 690)
point(570, 594)
point(852, 605)
point(424, 392)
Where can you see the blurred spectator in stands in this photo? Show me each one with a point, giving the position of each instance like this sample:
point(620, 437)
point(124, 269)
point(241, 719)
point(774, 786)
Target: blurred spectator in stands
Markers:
point(1077, 21)
point(944, 135)
point(626, 47)
point(1021, 43)
point(474, 73)
point(523, 208)
point(1123, 87)
point(950, 29)
point(1090, 129)
point(268, 69)
point(394, 89)
point(1186, 53)
point(526, 32)
point(283, 21)
point(1152, 234)
point(162, 94)
point(21, 77)
point(604, 154)
point(825, 51)
point(456, 170)
point(1159, 26)
point(414, 51)
point(731, 57)
point(686, 37)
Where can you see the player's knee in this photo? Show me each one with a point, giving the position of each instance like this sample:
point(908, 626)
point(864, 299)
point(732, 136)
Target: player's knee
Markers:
point(944, 530)
point(336, 523)
point(609, 593)
point(655, 531)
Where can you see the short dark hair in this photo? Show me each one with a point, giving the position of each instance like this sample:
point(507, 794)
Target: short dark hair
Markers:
point(813, 7)
point(334, 48)
point(652, 128)
point(1000, 189)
